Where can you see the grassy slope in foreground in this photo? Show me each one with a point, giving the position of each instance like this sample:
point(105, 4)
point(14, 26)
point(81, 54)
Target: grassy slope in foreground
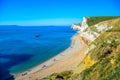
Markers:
point(101, 63)
point(106, 57)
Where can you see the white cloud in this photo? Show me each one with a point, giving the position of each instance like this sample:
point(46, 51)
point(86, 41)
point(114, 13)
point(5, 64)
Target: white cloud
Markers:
point(44, 22)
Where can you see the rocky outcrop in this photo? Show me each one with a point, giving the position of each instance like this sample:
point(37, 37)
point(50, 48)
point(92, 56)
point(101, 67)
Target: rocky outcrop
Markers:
point(81, 26)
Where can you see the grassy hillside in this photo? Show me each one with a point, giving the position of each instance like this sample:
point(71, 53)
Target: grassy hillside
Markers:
point(103, 61)
point(106, 57)
point(94, 20)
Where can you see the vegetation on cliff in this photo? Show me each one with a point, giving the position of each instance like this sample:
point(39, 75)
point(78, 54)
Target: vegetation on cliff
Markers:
point(106, 57)
point(59, 76)
point(94, 20)
point(103, 61)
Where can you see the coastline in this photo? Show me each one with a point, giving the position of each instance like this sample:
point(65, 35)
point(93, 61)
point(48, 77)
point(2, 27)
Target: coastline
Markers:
point(66, 60)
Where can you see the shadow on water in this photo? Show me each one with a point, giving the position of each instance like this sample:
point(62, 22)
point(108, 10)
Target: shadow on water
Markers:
point(13, 60)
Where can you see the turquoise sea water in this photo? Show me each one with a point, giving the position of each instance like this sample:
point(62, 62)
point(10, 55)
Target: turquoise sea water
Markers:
point(23, 47)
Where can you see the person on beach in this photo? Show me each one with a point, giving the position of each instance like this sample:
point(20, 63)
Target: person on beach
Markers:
point(44, 66)
point(54, 60)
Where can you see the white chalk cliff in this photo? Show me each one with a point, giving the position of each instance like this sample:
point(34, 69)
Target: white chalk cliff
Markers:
point(86, 31)
point(82, 26)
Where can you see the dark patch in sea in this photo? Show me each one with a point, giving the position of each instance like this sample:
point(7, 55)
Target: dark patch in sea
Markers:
point(13, 60)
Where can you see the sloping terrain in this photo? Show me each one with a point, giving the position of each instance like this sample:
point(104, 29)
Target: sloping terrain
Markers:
point(102, 61)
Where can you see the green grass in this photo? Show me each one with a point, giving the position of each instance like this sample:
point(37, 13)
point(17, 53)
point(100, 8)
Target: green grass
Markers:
point(94, 20)
point(60, 76)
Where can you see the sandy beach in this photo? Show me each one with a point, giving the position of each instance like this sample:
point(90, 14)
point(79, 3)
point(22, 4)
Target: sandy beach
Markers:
point(64, 61)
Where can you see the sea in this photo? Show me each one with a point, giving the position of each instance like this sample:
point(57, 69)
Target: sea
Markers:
point(23, 47)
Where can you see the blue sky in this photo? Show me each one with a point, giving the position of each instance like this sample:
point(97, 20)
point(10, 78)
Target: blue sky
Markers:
point(54, 12)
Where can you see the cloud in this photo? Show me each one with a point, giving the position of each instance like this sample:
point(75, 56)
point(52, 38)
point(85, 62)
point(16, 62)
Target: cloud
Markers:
point(44, 22)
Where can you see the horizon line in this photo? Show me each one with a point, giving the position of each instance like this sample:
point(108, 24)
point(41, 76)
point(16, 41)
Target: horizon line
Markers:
point(43, 22)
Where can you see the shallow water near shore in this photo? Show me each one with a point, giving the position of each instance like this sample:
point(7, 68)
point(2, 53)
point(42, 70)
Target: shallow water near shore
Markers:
point(23, 47)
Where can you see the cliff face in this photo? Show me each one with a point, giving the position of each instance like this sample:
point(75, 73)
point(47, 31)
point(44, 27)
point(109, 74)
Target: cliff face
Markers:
point(91, 32)
point(102, 61)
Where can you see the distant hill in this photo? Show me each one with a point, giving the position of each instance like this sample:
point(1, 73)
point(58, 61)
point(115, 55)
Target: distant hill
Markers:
point(7, 25)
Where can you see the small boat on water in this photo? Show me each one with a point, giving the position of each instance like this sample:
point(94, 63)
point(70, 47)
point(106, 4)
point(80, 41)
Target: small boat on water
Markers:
point(37, 36)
